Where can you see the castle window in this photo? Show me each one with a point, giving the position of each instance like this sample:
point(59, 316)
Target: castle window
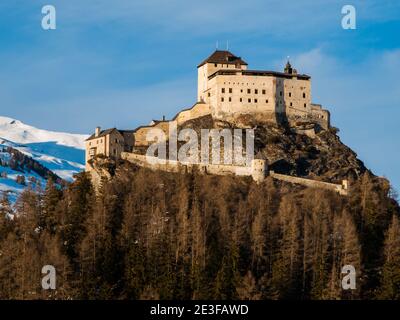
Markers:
point(222, 99)
point(266, 101)
point(255, 100)
point(290, 94)
point(305, 105)
point(291, 104)
point(263, 92)
point(215, 65)
point(256, 91)
point(209, 94)
point(223, 90)
point(241, 90)
point(304, 94)
point(230, 90)
point(240, 99)
point(249, 100)
point(248, 91)
point(230, 99)
point(116, 140)
point(280, 93)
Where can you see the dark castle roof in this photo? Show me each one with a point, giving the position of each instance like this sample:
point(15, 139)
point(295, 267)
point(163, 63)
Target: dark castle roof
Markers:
point(103, 133)
point(226, 57)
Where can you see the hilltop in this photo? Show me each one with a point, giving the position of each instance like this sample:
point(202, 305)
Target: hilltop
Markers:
point(305, 150)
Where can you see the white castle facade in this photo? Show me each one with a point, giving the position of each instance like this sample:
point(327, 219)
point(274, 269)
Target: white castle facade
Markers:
point(232, 91)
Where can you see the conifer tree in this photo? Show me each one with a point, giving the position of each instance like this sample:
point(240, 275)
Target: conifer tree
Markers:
point(287, 262)
point(51, 198)
point(74, 210)
point(247, 289)
point(390, 287)
point(6, 217)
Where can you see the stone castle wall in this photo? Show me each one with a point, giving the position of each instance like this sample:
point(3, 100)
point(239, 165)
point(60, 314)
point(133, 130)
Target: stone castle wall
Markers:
point(258, 171)
point(141, 133)
point(197, 111)
point(320, 116)
point(340, 188)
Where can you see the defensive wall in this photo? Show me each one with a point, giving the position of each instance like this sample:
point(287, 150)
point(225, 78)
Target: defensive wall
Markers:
point(258, 171)
point(340, 188)
point(198, 110)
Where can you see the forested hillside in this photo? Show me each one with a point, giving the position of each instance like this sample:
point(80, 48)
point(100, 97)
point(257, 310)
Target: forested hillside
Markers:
point(151, 235)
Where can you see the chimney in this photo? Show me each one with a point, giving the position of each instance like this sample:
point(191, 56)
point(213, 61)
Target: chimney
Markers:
point(97, 132)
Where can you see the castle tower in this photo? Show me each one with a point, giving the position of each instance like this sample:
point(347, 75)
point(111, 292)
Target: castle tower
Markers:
point(258, 169)
point(288, 68)
point(219, 60)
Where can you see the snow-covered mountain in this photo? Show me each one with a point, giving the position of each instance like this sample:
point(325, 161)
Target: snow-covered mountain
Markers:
point(62, 153)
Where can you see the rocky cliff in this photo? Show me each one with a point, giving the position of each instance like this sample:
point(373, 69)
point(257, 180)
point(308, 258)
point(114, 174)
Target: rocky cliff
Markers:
point(305, 150)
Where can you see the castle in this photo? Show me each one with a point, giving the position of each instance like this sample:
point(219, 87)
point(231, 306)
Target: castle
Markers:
point(229, 92)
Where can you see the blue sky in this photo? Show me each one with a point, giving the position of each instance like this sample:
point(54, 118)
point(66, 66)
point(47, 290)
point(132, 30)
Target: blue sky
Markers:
point(124, 62)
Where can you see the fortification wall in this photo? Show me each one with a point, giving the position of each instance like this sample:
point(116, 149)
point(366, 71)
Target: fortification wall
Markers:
point(141, 133)
point(198, 110)
point(316, 115)
point(257, 170)
point(340, 188)
point(320, 116)
point(176, 166)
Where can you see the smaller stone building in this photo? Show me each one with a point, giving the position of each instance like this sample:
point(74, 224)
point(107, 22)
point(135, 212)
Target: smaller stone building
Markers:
point(109, 143)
